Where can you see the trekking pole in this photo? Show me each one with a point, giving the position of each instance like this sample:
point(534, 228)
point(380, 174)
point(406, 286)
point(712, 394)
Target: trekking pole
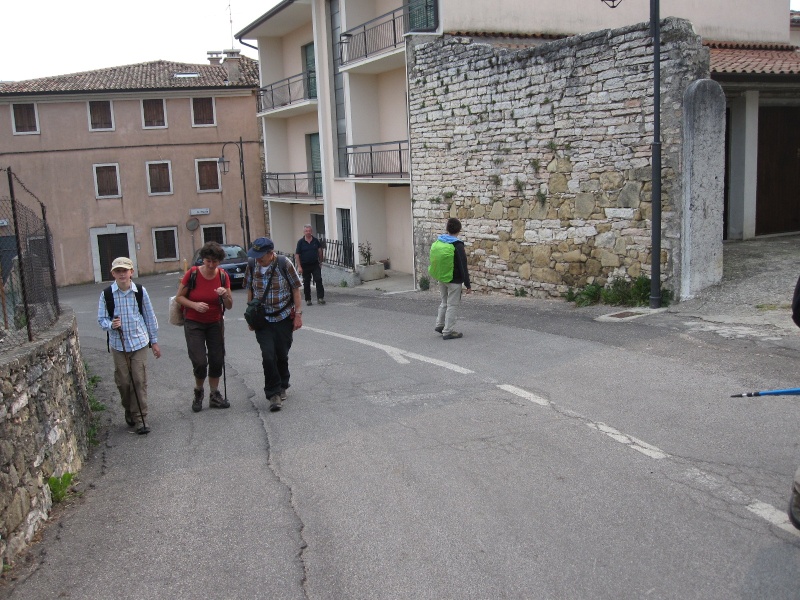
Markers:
point(787, 392)
point(144, 429)
point(224, 376)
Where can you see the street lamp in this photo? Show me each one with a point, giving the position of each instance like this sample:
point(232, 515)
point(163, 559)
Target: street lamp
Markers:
point(225, 166)
point(655, 253)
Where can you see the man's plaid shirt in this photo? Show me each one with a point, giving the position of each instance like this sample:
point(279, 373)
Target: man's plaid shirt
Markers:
point(280, 292)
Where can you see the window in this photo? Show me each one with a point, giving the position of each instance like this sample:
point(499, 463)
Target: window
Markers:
point(154, 113)
point(101, 117)
point(213, 233)
point(203, 112)
point(106, 181)
point(422, 15)
point(207, 174)
point(26, 118)
point(159, 177)
point(165, 243)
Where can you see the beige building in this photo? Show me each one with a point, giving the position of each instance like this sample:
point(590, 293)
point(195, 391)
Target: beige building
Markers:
point(126, 160)
point(334, 111)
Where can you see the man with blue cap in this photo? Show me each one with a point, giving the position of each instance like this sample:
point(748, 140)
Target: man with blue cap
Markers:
point(274, 281)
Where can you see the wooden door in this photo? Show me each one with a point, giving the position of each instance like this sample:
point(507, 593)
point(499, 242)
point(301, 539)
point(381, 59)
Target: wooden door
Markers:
point(778, 188)
point(111, 246)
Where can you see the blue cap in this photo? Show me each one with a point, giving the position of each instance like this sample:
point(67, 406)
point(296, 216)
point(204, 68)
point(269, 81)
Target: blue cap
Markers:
point(260, 247)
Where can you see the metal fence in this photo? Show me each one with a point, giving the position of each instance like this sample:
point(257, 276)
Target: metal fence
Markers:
point(339, 253)
point(28, 295)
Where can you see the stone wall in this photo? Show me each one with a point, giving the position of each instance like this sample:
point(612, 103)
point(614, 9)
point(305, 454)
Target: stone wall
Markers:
point(544, 154)
point(44, 420)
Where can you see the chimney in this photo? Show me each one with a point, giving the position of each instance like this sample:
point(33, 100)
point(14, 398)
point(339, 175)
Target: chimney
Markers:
point(231, 64)
point(214, 57)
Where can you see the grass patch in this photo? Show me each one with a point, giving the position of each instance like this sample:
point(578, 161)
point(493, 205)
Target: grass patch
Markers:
point(782, 306)
point(59, 486)
point(620, 292)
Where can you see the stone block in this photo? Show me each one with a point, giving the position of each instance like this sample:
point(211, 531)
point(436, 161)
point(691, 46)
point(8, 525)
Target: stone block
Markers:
point(584, 205)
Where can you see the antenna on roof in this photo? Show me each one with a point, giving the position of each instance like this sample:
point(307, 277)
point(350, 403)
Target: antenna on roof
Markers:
point(230, 17)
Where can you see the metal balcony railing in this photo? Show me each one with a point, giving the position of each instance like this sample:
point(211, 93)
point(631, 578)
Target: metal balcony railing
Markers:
point(386, 159)
point(296, 88)
point(386, 32)
point(306, 184)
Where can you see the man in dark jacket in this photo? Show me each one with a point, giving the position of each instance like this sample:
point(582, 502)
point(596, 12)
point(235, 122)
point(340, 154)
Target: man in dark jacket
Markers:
point(308, 256)
point(451, 291)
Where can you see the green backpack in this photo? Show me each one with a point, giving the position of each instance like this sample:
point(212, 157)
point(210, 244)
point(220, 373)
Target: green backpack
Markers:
point(441, 261)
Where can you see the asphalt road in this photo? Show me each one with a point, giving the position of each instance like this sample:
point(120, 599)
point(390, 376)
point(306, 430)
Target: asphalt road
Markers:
point(547, 454)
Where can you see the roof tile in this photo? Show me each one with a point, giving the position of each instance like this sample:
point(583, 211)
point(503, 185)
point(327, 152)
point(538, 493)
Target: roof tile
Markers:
point(155, 75)
point(754, 59)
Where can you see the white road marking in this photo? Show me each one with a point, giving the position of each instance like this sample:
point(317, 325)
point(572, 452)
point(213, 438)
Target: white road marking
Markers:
point(397, 354)
point(525, 394)
point(777, 517)
point(769, 513)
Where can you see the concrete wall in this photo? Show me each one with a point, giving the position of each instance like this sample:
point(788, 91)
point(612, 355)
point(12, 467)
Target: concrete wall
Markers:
point(44, 419)
point(703, 186)
point(544, 154)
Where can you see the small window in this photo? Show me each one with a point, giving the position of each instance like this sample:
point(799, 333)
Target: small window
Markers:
point(203, 112)
point(106, 181)
point(213, 233)
point(165, 243)
point(159, 177)
point(26, 118)
point(154, 113)
point(101, 117)
point(207, 174)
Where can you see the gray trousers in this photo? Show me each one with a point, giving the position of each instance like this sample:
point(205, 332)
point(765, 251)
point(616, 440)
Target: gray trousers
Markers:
point(448, 309)
point(130, 369)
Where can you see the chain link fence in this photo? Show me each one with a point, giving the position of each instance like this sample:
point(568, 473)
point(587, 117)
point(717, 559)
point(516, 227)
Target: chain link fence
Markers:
point(28, 296)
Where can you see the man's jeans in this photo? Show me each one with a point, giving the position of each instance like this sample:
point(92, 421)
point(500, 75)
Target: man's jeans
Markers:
point(448, 309)
point(315, 271)
point(275, 341)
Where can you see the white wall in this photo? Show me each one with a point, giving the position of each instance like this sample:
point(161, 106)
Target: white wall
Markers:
point(732, 20)
point(399, 229)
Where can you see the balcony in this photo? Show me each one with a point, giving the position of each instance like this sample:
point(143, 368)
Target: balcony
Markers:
point(294, 95)
point(386, 160)
point(385, 34)
point(305, 185)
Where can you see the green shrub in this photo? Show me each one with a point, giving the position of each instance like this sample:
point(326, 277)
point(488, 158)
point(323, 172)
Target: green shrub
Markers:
point(59, 486)
point(620, 292)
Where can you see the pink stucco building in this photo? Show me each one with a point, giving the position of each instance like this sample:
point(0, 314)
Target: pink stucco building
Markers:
point(126, 160)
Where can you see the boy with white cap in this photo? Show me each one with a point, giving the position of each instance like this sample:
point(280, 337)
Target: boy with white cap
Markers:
point(132, 324)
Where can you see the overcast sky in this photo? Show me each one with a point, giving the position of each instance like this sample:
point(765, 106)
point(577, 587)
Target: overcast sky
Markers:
point(39, 38)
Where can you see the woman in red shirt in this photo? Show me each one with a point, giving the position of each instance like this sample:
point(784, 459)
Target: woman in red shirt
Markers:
point(204, 327)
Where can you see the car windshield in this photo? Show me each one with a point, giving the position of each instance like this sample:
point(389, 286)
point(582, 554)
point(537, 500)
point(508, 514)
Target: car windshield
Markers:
point(235, 252)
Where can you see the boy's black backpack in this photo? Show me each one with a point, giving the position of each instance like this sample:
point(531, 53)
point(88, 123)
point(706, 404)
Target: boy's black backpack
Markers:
point(109, 296)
